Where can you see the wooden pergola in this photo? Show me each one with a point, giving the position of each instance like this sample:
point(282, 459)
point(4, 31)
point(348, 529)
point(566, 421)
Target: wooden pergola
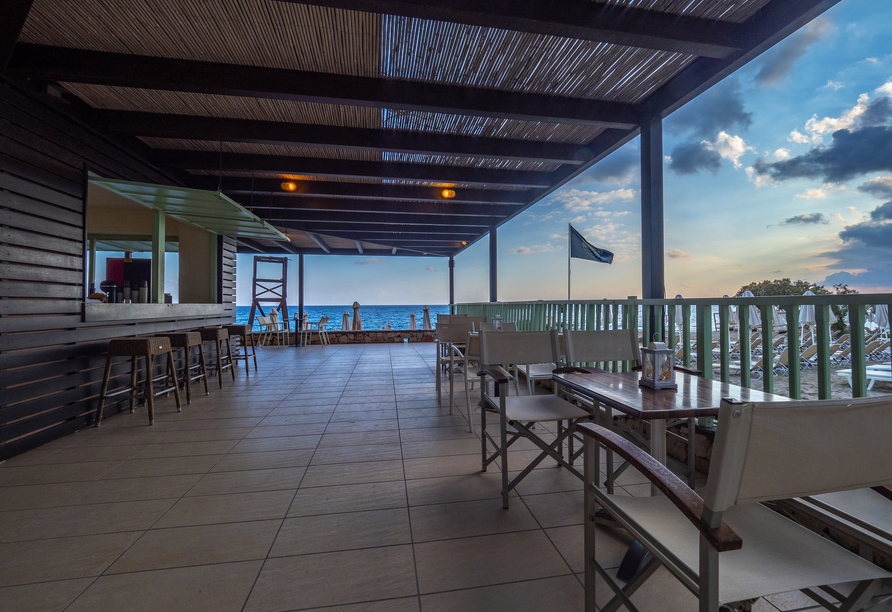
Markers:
point(407, 127)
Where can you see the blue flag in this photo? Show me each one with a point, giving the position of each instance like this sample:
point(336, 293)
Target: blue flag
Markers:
point(583, 249)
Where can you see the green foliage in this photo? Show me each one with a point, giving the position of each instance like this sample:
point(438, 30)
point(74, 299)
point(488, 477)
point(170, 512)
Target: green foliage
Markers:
point(785, 286)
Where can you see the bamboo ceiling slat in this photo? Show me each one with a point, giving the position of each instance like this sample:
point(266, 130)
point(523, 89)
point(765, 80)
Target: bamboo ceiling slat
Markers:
point(245, 32)
point(366, 181)
point(228, 107)
point(736, 11)
point(456, 54)
point(181, 144)
point(474, 162)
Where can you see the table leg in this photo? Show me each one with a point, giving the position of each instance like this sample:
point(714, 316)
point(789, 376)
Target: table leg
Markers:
point(657, 445)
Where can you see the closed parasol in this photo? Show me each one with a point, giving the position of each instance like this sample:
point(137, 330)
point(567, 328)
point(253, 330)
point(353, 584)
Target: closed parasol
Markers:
point(412, 323)
point(883, 316)
point(679, 313)
point(755, 315)
point(426, 320)
point(345, 322)
point(357, 319)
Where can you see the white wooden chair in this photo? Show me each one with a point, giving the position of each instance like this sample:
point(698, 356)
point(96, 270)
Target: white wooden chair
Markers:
point(451, 340)
point(725, 546)
point(306, 334)
point(265, 324)
point(521, 412)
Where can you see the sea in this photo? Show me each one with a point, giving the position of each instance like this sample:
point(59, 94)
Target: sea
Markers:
point(373, 317)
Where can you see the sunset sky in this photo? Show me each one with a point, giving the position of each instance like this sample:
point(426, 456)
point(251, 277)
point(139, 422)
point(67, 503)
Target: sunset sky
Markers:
point(783, 169)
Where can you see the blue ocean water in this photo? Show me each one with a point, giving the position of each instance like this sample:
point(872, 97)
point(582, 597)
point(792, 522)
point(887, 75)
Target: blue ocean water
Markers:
point(373, 317)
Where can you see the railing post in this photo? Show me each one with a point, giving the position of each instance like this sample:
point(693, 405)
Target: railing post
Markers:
point(686, 334)
point(822, 333)
point(725, 341)
point(746, 349)
point(615, 308)
point(793, 343)
point(859, 362)
point(670, 332)
point(704, 340)
point(767, 349)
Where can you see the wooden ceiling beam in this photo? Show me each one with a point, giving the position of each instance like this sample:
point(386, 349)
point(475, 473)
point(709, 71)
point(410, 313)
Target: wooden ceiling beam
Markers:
point(335, 218)
point(382, 207)
point(316, 166)
point(124, 70)
point(318, 240)
point(593, 21)
point(13, 14)
point(159, 125)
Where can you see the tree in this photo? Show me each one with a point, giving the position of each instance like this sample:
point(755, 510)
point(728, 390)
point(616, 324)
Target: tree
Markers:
point(785, 286)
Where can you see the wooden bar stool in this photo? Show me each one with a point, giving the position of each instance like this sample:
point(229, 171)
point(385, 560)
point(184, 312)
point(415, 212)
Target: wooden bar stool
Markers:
point(188, 341)
point(218, 336)
point(243, 332)
point(135, 348)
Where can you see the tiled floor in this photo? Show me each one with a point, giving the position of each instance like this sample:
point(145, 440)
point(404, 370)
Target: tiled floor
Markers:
point(330, 479)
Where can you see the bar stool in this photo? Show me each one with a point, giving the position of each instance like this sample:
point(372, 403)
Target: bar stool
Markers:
point(243, 332)
point(188, 341)
point(218, 336)
point(135, 348)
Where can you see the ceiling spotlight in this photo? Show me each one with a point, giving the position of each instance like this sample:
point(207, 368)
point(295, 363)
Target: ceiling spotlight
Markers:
point(448, 193)
point(464, 243)
point(289, 186)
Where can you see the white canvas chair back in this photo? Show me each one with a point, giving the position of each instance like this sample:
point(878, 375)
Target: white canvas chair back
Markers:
point(602, 345)
point(783, 450)
point(518, 347)
point(454, 333)
point(479, 322)
point(509, 327)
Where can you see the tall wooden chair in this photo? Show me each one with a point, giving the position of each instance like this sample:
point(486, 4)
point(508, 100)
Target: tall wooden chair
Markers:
point(219, 336)
point(188, 341)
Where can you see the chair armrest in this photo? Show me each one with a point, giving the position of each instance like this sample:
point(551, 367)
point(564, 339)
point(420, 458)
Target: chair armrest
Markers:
point(499, 375)
point(685, 499)
point(577, 370)
point(884, 491)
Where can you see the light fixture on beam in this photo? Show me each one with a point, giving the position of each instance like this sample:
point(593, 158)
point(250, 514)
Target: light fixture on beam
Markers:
point(448, 193)
point(464, 243)
point(289, 186)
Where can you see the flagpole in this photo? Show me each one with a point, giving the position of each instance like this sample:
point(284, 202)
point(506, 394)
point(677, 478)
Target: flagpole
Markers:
point(569, 243)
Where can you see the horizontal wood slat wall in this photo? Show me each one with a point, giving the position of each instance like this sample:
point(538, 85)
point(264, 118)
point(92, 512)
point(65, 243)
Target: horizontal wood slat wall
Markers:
point(51, 363)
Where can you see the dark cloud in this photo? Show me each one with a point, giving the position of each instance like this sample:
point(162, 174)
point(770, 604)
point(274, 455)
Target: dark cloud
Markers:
point(878, 187)
point(812, 219)
point(876, 235)
point(882, 212)
point(720, 108)
point(778, 63)
point(858, 256)
point(850, 154)
point(692, 157)
point(878, 112)
point(619, 167)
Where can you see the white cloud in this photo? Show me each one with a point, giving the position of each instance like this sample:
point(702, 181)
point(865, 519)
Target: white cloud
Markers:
point(758, 180)
point(797, 137)
point(558, 236)
point(678, 254)
point(818, 128)
point(782, 154)
point(834, 85)
point(729, 147)
point(369, 261)
point(536, 248)
point(812, 194)
point(580, 219)
point(872, 60)
point(431, 269)
point(838, 217)
point(577, 200)
point(886, 88)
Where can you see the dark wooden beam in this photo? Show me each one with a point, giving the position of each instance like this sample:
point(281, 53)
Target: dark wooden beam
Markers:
point(251, 244)
point(594, 21)
point(316, 166)
point(331, 189)
point(494, 264)
point(382, 234)
point(652, 251)
point(397, 209)
point(357, 139)
point(13, 14)
point(318, 240)
point(119, 69)
point(274, 250)
point(334, 218)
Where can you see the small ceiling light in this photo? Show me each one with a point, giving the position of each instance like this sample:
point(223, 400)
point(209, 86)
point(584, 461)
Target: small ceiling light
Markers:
point(463, 243)
point(289, 186)
point(448, 193)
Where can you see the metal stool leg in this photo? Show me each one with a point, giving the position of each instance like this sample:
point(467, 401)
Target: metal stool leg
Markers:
point(134, 368)
point(187, 372)
point(253, 351)
point(204, 368)
point(108, 365)
point(172, 373)
point(219, 364)
point(229, 355)
point(149, 392)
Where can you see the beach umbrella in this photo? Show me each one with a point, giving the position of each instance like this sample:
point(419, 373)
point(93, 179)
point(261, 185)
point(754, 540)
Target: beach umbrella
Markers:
point(807, 312)
point(777, 319)
point(345, 322)
point(357, 319)
point(883, 316)
point(274, 318)
point(679, 313)
point(412, 323)
point(755, 315)
point(426, 320)
point(388, 326)
point(733, 319)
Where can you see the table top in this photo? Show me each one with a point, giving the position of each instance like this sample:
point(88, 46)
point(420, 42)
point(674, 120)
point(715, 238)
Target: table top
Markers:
point(695, 397)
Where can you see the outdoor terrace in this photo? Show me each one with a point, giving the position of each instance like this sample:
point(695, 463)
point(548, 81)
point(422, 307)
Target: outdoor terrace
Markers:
point(329, 479)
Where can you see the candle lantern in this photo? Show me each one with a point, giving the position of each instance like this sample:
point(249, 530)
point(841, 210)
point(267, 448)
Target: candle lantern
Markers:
point(497, 323)
point(658, 367)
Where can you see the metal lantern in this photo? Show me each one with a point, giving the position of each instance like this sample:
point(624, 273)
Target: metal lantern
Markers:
point(497, 323)
point(658, 367)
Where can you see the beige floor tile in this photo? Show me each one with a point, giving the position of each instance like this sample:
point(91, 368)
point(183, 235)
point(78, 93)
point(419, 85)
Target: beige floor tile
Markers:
point(189, 449)
point(284, 431)
point(66, 521)
point(43, 597)
point(455, 465)
point(331, 532)
point(297, 423)
point(363, 438)
point(235, 462)
point(559, 594)
point(61, 559)
point(48, 474)
point(611, 543)
point(359, 426)
point(205, 435)
point(486, 560)
point(200, 545)
point(464, 519)
point(262, 445)
point(348, 498)
point(556, 509)
point(406, 604)
point(553, 480)
point(441, 448)
point(354, 416)
point(133, 489)
point(221, 423)
point(210, 509)
point(211, 588)
point(14, 519)
point(351, 405)
point(661, 592)
point(164, 466)
point(37, 496)
point(447, 489)
point(438, 433)
point(223, 483)
point(353, 473)
point(433, 421)
point(329, 579)
point(91, 453)
point(356, 454)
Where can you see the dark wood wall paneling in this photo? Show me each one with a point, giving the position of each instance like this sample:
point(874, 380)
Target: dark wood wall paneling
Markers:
point(51, 363)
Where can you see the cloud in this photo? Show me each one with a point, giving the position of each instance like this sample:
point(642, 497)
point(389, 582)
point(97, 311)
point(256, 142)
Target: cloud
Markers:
point(885, 88)
point(678, 254)
point(580, 219)
point(430, 269)
point(778, 64)
point(718, 109)
point(834, 85)
point(536, 248)
point(807, 219)
point(883, 212)
point(369, 261)
point(577, 200)
point(863, 259)
point(812, 194)
point(692, 157)
point(621, 167)
point(782, 154)
point(729, 147)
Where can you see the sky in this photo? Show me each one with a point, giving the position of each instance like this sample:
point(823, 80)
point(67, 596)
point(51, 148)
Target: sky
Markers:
point(784, 169)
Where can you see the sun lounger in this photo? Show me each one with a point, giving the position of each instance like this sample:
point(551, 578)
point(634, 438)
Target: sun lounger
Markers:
point(873, 375)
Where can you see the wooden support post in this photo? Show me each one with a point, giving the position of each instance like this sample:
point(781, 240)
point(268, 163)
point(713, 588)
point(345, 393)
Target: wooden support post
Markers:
point(300, 292)
point(686, 333)
point(156, 295)
point(767, 349)
point(822, 337)
point(652, 263)
point(493, 264)
point(859, 361)
point(795, 378)
point(704, 340)
point(451, 284)
point(746, 350)
point(91, 281)
point(725, 341)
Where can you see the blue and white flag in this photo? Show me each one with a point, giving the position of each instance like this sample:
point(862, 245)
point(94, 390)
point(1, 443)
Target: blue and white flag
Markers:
point(583, 249)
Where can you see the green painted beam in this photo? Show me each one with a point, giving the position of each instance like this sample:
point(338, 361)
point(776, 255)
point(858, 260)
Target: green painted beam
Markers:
point(704, 341)
point(158, 238)
point(767, 349)
point(793, 353)
point(725, 342)
point(746, 349)
point(859, 361)
point(686, 334)
point(822, 323)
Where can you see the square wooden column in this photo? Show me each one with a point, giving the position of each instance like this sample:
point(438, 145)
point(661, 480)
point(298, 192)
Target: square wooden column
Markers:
point(493, 264)
point(451, 284)
point(158, 238)
point(653, 284)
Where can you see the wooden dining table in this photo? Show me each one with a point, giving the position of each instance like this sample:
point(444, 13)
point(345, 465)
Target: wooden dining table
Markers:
point(695, 397)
